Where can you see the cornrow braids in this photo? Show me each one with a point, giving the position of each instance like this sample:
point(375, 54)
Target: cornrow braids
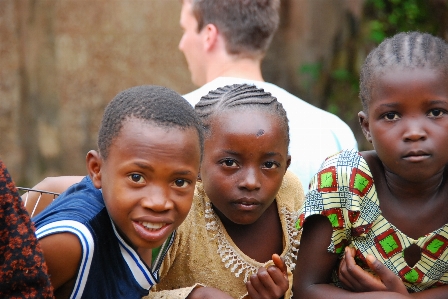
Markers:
point(156, 104)
point(406, 50)
point(239, 96)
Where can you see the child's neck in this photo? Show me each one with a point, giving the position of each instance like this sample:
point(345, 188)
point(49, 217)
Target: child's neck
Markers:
point(416, 209)
point(260, 239)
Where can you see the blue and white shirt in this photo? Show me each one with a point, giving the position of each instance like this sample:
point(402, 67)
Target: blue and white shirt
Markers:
point(110, 267)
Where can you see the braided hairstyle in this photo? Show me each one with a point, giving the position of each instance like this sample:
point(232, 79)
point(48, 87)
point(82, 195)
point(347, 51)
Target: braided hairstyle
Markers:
point(155, 104)
point(239, 96)
point(407, 50)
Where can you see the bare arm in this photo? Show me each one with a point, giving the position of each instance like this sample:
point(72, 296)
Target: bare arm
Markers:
point(315, 264)
point(35, 202)
point(62, 253)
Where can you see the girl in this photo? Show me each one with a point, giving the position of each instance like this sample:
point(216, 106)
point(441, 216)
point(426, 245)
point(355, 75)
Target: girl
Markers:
point(388, 208)
point(242, 212)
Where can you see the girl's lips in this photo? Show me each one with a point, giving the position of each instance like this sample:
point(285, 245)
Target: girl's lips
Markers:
point(416, 158)
point(246, 204)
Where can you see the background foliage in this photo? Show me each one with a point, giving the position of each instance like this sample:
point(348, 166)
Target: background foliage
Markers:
point(381, 19)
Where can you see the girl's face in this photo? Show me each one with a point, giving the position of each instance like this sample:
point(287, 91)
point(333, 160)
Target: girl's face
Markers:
point(245, 158)
point(407, 122)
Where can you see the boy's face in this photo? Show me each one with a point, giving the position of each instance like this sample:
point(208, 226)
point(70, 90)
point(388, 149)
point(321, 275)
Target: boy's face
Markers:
point(407, 122)
point(148, 180)
point(244, 161)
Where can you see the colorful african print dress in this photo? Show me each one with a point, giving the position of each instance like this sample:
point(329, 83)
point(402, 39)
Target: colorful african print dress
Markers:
point(344, 191)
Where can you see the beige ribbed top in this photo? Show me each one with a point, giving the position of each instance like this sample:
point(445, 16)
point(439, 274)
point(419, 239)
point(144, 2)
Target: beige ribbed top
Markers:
point(203, 252)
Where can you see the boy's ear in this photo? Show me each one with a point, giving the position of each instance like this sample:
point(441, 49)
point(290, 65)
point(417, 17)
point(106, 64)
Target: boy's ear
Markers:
point(94, 163)
point(288, 162)
point(364, 122)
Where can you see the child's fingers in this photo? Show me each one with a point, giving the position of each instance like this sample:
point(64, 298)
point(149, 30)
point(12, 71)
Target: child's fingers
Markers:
point(354, 276)
point(278, 261)
point(345, 277)
point(264, 284)
point(391, 281)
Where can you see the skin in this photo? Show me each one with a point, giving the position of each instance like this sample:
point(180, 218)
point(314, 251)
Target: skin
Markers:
point(192, 44)
point(206, 53)
point(407, 123)
point(142, 184)
point(242, 170)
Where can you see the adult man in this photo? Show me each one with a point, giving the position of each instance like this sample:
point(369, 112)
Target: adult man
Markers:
point(224, 43)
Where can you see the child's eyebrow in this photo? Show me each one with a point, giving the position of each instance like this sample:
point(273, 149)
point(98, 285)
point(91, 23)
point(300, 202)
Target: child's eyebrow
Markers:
point(438, 102)
point(149, 167)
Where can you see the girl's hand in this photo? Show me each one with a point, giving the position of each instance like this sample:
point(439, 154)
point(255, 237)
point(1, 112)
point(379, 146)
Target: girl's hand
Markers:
point(356, 279)
point(208, 293)
point(269, 283)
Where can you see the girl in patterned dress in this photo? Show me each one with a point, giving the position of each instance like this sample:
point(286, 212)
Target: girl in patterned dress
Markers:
point(383, 214)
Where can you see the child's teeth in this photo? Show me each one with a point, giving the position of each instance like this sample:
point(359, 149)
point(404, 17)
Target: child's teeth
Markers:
point(150, 225)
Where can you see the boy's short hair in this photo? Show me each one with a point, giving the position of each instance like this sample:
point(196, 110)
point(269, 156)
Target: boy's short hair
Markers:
point(156, 104)
point(248, 26)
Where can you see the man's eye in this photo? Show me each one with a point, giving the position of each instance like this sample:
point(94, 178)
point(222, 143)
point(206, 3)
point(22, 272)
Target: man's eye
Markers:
point(391, 116)
point(436, 113)
point(270, 165)
point(229, 163)
point(181, 183)
point(137, 178)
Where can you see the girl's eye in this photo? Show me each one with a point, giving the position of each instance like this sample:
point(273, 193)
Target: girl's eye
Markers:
point(137, 178)
point(391, 116)
point(181, 183)
point(435, 113)
point(270, 165)
point(229, 163)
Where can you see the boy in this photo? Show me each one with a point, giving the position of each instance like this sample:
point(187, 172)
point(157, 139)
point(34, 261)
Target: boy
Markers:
point(106, 236)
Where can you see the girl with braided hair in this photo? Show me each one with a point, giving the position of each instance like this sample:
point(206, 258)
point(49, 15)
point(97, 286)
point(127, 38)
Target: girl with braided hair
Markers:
point(242, 218)
point(382, 215)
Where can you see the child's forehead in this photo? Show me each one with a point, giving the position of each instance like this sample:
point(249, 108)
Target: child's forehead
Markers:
point(134, 124)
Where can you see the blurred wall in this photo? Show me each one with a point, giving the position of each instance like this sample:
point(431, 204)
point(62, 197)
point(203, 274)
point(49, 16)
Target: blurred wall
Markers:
point(62, 61)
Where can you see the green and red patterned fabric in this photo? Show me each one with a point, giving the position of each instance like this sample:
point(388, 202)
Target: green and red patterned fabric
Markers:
point(23, 272)
point(344, 191)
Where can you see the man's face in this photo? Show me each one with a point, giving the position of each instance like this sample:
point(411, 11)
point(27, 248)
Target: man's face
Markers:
point(191, 44)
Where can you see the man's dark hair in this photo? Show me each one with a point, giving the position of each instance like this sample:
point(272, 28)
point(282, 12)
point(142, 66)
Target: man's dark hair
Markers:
point(154, 104)
point(247, 25)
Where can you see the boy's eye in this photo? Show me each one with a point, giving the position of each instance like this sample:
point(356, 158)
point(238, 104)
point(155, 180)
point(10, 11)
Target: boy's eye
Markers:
point(270, 165)
point(391, 116)
point(435, 113)
point(181, 183)
point(229, 163)
point(136, 178)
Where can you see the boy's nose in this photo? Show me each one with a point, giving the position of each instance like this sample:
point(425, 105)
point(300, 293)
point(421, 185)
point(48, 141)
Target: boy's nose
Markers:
point(157, 199)
point(250, 180)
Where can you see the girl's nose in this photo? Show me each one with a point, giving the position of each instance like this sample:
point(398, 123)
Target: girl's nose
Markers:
point(251, 180)
point(414, 130)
